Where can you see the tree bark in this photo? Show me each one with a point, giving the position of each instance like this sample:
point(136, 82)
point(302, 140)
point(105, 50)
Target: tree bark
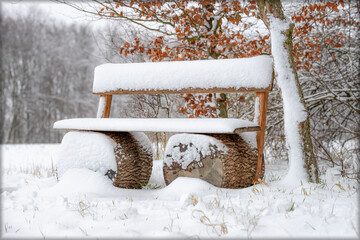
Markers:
point(222, 105)
point(273, 8)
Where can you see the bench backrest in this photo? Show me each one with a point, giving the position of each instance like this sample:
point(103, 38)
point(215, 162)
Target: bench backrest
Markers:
point(204, 76)
point(253, 74)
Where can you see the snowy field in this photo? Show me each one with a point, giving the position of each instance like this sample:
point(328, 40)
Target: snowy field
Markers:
point(85, 204)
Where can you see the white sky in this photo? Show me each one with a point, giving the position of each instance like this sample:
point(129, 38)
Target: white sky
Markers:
point(58, 10)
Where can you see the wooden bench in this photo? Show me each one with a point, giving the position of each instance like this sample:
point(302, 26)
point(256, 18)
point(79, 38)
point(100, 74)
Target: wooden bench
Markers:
point(250, 75)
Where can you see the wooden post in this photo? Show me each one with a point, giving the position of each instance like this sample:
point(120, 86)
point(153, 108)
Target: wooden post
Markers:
point(260, 135)
point(107, 106)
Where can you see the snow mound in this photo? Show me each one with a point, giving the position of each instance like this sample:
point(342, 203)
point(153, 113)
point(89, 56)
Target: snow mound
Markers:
point(37, 206)
point(143, 140)
point(255, 72)
point(196, 146)
point(94, 151)
point(166, 235)
point(81, 180)
point(184, 186)
point(249, 138)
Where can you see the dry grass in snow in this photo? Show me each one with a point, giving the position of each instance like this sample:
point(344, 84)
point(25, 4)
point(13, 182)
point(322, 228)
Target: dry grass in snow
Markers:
point(85, 204)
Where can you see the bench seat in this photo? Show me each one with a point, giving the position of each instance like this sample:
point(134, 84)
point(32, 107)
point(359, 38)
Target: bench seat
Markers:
point(180, 125)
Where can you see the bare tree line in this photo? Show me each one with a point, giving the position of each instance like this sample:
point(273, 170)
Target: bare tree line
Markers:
point(46, 74)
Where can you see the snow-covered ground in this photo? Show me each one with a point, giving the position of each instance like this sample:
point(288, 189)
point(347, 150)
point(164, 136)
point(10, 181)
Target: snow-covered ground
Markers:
point(85, 204)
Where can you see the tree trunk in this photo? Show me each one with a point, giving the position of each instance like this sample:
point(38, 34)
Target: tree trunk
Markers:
point(211, 22)
point(222, 105)
point(271, 10)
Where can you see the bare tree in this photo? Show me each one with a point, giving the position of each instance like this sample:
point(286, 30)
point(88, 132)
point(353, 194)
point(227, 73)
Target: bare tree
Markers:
point(47, 69)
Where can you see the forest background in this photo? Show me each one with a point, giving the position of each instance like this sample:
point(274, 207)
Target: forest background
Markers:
point(47, 72)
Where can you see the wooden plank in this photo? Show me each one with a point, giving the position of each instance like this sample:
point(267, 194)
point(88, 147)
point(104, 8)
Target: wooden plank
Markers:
point(107, 107)
point(247, 129)
point(182, 91)
point(260, 135)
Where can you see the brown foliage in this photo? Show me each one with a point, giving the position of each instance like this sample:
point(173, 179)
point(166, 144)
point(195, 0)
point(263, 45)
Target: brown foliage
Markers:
point(191, 30)
point(309, 22)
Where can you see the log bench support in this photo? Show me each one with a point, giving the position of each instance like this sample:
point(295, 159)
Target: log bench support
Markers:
point(105, 108)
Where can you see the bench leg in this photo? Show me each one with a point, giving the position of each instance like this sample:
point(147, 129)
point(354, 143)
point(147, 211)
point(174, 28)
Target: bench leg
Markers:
point(104, 106)
point(260, 135)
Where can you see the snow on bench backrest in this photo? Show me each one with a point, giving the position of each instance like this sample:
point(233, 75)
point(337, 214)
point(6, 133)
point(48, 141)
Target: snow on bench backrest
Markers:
point(176, 77)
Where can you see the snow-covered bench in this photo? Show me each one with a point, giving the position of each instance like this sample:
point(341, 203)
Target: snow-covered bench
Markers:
point(227, 75)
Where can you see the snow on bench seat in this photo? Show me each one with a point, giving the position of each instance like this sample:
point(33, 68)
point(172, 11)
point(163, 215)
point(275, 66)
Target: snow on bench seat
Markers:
point(183, 125)
point(172, 77)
